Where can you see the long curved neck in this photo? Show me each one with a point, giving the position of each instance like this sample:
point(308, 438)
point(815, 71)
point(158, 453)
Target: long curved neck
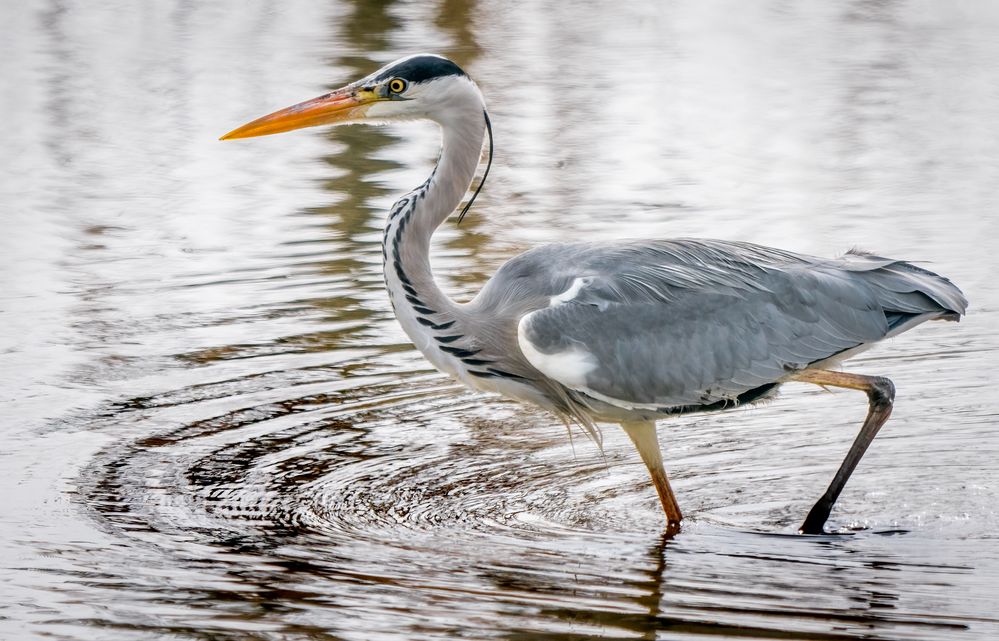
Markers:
point(420, 305)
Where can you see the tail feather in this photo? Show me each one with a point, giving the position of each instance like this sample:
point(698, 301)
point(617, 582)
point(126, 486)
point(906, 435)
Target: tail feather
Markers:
point(907, 292)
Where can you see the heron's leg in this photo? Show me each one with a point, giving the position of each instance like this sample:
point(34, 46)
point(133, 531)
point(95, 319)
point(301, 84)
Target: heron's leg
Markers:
point(880, 394)
point(643, 435)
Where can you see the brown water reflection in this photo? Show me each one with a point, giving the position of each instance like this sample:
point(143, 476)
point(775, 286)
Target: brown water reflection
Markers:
point(214, 428)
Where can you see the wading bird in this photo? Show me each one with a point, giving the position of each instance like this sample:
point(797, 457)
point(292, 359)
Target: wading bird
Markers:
point(622, 332)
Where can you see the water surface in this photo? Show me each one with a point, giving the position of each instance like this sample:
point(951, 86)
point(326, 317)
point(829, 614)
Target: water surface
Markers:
point(214, 428)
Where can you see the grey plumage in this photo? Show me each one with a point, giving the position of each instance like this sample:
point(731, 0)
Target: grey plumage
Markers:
point(624, 332)
point(695, 322)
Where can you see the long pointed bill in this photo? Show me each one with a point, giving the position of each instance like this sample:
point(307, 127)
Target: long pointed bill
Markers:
point(341, 106)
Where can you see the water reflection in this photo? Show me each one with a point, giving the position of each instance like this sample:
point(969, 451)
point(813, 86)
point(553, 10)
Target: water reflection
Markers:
point(246, 447)
point(327, 507)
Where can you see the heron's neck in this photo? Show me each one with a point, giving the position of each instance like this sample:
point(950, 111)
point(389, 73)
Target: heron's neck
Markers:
point(419, 303)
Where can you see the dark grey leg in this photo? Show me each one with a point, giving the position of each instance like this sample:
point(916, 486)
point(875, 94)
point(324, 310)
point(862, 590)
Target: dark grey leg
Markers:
point(880, 393)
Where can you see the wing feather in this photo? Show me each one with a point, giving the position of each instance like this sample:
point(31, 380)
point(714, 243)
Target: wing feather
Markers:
point(695, 322)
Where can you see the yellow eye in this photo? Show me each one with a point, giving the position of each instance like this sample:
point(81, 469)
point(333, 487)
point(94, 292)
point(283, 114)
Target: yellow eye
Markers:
point(397, 85)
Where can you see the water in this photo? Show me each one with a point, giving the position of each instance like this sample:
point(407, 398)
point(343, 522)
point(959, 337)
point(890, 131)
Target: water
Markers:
point(214, 429)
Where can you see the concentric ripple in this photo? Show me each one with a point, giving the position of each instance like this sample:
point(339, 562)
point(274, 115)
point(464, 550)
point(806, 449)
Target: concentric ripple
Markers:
point(460, 508)
point(419, 454)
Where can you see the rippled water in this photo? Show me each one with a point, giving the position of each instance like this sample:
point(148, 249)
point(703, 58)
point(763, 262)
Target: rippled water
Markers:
point(213, 427)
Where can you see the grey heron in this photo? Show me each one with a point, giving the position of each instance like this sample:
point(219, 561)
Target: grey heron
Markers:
point(623, 332)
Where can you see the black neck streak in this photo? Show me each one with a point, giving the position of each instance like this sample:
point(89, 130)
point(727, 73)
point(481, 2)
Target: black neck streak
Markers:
point(395, 235)
point(414, 275)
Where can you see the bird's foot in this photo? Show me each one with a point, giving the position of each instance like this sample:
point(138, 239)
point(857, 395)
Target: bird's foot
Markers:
point(816, 518)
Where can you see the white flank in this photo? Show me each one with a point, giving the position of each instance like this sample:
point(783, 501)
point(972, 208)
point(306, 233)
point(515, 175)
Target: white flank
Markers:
point(568, 367)
point(627, 405)
point(571, 366)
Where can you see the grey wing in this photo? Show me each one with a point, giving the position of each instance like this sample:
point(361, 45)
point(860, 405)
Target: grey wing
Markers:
point(694, 323)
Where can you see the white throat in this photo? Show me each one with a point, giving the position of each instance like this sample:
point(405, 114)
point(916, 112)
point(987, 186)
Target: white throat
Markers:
point(429, 317)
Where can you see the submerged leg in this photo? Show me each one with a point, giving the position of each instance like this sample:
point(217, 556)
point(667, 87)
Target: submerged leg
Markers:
point(880, 394)
point(643, 435)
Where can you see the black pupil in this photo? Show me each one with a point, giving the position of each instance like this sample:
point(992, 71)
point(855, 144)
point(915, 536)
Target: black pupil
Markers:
point(397, 85)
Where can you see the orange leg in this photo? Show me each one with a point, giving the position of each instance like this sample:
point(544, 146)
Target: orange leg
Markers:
point(643, 435)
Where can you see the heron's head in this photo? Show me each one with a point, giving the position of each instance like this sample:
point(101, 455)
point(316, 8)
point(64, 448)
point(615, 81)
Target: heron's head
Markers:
point(423, 86)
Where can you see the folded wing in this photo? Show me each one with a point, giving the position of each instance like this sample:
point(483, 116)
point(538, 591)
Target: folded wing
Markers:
point(688, 322)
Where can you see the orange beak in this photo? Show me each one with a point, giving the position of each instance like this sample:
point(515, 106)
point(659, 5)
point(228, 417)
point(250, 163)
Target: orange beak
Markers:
point(338, 107)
